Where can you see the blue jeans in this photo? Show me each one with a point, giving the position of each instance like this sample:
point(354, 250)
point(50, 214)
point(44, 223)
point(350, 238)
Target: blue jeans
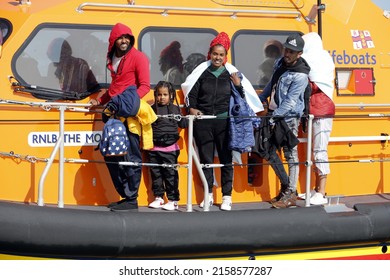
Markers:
point(278, 167)
point(291, 156)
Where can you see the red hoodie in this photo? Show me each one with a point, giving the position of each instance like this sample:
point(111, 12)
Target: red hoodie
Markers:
point(133, 68)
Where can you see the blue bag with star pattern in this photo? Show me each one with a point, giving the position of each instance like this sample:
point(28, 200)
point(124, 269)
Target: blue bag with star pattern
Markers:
point(114, 141)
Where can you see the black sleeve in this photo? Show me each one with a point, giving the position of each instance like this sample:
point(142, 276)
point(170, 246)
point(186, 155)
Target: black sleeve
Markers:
point(240, 89)
point(193, 95)
point(183, 123)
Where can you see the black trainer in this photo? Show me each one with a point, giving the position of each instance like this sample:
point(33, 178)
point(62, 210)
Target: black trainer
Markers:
point(125, 206)
point(112, 204)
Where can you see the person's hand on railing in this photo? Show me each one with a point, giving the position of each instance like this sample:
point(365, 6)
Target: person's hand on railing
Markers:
point(94, 102)
point(195, 112)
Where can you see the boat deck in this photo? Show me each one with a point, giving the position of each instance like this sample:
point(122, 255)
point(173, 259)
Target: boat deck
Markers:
point(335, 204)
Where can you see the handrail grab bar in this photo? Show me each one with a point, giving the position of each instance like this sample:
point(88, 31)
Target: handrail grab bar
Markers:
point(165, 9)
point(58, 146)
point(46, 170)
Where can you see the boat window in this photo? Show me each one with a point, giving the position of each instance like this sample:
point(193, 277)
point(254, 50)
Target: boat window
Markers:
point(355, 81)
point(174, 52)
point(254, 52)
point(64, 57)
point(5, 31)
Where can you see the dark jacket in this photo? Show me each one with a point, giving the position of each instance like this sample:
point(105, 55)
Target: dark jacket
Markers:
point(263, 145)
point(165, 130)
point(211, 95)
point(269, 140)
point(125, 104)
point(282, 136)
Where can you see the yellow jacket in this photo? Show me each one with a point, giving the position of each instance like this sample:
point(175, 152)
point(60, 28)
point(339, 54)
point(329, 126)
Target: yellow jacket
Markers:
point(141, 124)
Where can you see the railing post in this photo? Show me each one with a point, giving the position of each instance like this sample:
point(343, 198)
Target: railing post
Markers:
point(192, 157)
point(46, 170)
point(206, 206)
point(309, 162)
point(189, 165)
point(61, 160)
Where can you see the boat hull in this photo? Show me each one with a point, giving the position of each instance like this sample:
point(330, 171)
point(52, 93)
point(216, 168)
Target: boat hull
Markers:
point(52, 232)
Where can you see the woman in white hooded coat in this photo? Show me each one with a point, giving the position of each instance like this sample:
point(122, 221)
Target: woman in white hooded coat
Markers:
point(322, 75)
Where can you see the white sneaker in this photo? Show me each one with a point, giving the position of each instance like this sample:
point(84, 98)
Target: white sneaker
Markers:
point(303, 195)
point(318, 199)
point(170, 205)
point(211, 201)
point(157, 203)
point(226, 203)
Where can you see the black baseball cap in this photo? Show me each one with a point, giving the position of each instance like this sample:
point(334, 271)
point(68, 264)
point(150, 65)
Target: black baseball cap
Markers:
point(294, 42)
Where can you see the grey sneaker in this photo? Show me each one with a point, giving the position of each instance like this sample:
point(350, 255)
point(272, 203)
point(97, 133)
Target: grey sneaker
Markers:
point(288, 200)
point(276, 198)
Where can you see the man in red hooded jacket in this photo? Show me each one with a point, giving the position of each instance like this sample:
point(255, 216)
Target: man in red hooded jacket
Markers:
point(128, 67)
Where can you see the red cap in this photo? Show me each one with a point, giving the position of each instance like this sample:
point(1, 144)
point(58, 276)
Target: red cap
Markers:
point(223, 40)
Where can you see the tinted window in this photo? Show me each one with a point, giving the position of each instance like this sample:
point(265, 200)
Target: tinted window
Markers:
point(71, 58)
point(254, 52)
point(174, 52)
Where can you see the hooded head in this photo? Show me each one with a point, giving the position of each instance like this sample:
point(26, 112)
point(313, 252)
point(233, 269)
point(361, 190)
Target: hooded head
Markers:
point(313, 43)
point(223, 40)
point(117, 31)
point(59, 49)
point(170, 57)
point(193, 60)
point(321, 63)
point(273, 48)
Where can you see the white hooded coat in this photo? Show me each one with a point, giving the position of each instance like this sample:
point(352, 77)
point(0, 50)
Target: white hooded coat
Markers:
point(320, 62)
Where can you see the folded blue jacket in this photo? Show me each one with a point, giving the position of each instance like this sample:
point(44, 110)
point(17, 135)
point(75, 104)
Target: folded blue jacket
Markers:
point(241, 125)
point(125, 104)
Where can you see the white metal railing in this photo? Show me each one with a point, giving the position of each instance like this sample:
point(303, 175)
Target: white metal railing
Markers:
point(361, 105)
point(192, 156)
point(59, 146)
